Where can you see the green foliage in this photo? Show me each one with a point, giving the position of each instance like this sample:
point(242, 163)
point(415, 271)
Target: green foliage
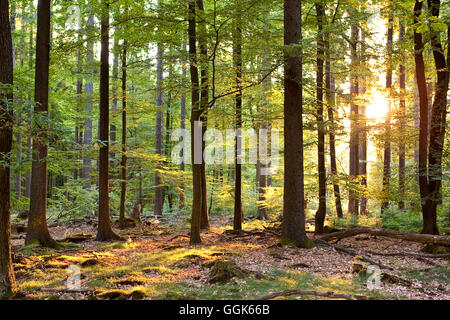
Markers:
point(72, 200)
point(407, 220)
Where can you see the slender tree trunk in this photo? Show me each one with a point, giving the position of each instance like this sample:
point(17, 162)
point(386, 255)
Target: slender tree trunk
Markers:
point(159, 189)
point(363, 135)
point(115, 78)
point(330, 93)
point(204, 224)
point(387, 132)
point(353, 207)
point(195, 116)
point(89, 108)
point(416, 127)
point(7, 279)
point(37, 230)
point(123, 183)
point(261, 179)
point(104, 232)
point(423, 118)
point(402, 120)
point(167, 190)
point(79, 91)
point(181, 199)
point(322, 210)
point(18, 184)
point(293, 221)
point(237, 57)
point(29, 146)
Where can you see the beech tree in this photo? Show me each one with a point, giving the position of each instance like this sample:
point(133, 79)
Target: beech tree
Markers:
point(322, 210)
point(293, 223)
point(104, 231)
point(7, 279)
point(430, 173)
point(37, 230)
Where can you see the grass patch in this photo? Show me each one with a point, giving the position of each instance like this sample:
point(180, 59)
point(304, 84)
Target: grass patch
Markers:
point(118, 245)
point(434, 274)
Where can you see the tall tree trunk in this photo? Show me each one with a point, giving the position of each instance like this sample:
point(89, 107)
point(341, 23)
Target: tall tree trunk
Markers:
point(387, 129)
point(167, 190)
point(159, 189)
point(353, 207)
point(115, 88)
point(261, 179)
point(89, 108)
point(37, 230)
point(195, 116)
point(402, 120)
point(430, 193)
point(322, 210)
point(237, 57)
point(123, 183)
point(104, 232)
point(330, 97)
point(115, 78)
point(79, 91)
point(29, 146)
point(416, 127)
point(423, 116)
point(18, 184)
point(7, 279)
point(202, 39)
point(181, 199)
point(363, 134)
point(293, 221)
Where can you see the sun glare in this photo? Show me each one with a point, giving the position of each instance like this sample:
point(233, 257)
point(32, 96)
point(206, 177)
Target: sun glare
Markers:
point(378, 106)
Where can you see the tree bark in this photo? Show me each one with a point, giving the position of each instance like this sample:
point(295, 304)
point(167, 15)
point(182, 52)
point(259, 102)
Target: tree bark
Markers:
point(363, 134)
point(204, 96)
point(89, 108)
point(237, 57)
point(123, 182)
point(159, 189)
point(29, 146)
point(402, 123)
point(322, 210)
point(104, 232)
point(181, 198)
point(37, 230)
point(195, 116)
point(387, 129)
point(331, 102)
point(7, 278)
point(293, 220)
point(353, 201)
point(115, 78)
point(438, 128)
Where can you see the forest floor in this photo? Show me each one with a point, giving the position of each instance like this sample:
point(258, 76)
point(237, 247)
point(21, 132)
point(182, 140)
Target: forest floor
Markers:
point(157, 262)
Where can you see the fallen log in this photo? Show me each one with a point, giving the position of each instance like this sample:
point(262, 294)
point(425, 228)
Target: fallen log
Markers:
point(328, 294)
point(422, 257)
point(354, 254)
point(415, 237)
